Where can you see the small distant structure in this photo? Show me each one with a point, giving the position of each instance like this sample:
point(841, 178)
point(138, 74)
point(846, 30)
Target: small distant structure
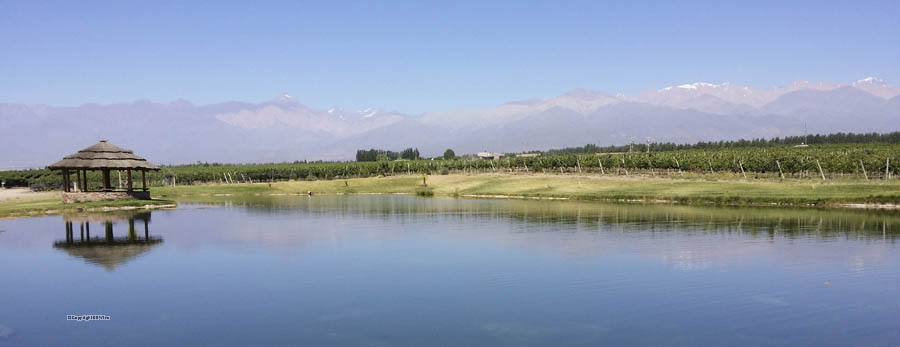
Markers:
point(802, 145)
point(490, 156)
point(529, 155)
point(104, 157)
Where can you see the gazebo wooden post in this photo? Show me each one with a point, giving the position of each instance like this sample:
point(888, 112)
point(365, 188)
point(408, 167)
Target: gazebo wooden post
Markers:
point(65, 179)
point(130, 185)
point(109, 231)
point(132, 235)
point(144, 179)
point(106, 184)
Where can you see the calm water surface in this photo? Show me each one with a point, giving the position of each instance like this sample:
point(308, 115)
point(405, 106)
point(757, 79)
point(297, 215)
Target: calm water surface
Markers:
point(404, 271)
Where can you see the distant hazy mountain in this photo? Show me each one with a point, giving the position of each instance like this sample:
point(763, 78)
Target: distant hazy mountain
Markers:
point(285, 130)
point(285, 112)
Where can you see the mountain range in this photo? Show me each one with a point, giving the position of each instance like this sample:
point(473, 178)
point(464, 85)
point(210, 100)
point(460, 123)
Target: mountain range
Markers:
point(284, 129)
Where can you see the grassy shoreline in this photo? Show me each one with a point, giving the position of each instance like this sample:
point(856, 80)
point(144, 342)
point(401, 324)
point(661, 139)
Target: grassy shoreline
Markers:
point(704, 190)
point(37, 207)
point(691, 190)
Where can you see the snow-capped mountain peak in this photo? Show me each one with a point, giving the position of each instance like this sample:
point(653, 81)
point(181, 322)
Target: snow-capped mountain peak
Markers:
point(367, 113)
point(284, 99)
point(878, 87)
point(704, 96)
point(870, 79)
point(696, 86)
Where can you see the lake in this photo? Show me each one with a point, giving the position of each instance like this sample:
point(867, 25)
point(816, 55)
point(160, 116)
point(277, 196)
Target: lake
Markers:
point(391, 270)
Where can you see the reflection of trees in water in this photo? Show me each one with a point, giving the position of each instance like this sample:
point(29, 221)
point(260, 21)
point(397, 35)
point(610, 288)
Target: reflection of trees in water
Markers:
point(754, 221)
point(790, 222)
point(107, 250)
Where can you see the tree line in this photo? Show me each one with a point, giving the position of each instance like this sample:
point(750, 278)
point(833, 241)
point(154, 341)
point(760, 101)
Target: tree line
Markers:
point(385, 155)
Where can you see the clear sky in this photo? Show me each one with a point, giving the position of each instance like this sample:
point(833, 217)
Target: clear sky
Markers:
point(421, 55)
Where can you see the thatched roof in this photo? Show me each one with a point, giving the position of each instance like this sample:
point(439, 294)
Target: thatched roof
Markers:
point(104, 155)
point(108, 254)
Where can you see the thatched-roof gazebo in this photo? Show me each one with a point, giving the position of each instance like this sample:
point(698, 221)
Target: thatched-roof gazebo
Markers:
point(104, 157)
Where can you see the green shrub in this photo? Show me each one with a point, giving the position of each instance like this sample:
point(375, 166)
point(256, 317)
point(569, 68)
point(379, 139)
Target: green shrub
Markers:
point(426, 192)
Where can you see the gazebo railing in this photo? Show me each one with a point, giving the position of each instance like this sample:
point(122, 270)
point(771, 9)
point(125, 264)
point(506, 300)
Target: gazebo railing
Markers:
point(80, 183)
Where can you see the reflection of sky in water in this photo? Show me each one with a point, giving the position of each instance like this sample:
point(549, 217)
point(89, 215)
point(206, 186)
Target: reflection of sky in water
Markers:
point(397, 270)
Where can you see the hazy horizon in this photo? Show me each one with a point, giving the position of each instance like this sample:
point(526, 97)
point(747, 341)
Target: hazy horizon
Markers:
point(287, 96)
point(317, 81)
point(414, 57)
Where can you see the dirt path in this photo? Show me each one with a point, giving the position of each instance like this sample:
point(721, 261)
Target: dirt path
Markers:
point(24, 193)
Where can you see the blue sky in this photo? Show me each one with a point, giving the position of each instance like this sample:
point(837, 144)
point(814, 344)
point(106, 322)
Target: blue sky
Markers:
point(423, 55)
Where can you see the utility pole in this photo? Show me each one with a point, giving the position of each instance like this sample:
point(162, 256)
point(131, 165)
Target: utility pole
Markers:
point(631, 147)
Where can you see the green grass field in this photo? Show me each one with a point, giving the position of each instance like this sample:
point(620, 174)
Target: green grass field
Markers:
point(590, 187)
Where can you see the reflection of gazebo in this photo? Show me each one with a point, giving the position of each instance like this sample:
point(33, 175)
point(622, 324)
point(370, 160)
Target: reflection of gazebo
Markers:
point(108, 251)
point(104, 157)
